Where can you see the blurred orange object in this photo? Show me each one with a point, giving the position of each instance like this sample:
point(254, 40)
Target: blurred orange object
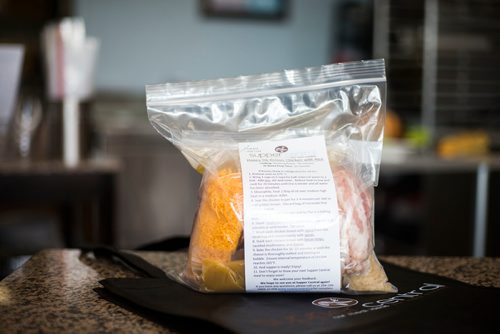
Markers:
point(393, 127)
point(471, 143)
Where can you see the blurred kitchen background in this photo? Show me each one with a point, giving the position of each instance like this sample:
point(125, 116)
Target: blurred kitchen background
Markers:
point(439, 185)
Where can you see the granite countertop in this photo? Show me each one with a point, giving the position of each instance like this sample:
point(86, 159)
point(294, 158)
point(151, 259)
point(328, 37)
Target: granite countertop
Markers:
point(53, 291)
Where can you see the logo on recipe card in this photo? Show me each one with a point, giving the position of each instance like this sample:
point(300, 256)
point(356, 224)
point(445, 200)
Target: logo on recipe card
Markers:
point(281, 149)
point(334, 302)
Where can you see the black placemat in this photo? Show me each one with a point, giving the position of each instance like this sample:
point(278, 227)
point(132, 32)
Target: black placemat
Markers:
point(424, 303)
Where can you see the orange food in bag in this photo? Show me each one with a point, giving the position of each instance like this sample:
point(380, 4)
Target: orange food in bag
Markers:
point(219, 222)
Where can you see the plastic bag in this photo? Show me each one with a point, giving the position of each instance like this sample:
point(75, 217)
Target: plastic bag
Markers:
point(338, 106)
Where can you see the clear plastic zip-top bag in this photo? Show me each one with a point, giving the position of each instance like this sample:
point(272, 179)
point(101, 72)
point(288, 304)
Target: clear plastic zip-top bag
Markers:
point(289, 161)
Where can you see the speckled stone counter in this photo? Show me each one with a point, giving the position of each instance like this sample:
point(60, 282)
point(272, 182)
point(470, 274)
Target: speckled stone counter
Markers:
point(53, 291)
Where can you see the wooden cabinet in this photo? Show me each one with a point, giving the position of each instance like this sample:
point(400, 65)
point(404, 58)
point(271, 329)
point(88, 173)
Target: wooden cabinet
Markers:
point(157, 189)
point(430, 206)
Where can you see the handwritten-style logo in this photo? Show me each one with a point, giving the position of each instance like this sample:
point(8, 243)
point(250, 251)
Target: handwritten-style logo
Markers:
point(334, 302)
point(281, 149)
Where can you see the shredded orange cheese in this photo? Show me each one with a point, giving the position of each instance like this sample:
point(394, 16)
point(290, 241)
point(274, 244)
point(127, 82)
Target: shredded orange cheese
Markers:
point(219, 222)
